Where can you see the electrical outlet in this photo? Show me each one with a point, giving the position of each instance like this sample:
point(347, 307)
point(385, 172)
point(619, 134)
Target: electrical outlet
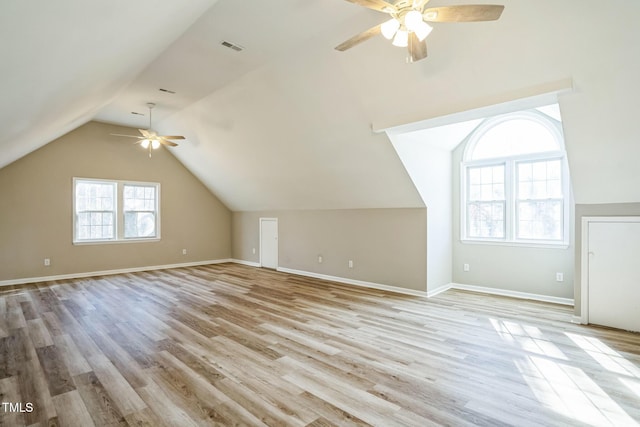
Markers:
point(184, 252)
point(559, 277)
point(350, 263)
point(47, 262)
point(253, 250)
point(465, 267)
point(319, 259)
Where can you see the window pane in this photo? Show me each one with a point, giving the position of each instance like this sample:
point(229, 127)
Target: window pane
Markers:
point(539, 180)
point(139, 211)
point(95, 210)
point(139, 198)
point(486, 183)
point(486, 219)
point(540, 220)
point(514, 137)
point(139, 224)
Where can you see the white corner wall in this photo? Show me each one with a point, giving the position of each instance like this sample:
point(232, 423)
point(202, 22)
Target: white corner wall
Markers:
point(429, 167)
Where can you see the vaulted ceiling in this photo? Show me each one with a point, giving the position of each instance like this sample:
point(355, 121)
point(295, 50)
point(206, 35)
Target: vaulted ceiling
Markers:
point(287, 123)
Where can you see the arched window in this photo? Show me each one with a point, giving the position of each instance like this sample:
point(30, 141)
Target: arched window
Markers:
point(515, 181)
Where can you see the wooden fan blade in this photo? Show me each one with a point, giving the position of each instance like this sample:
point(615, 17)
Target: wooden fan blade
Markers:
point(165, 142)
point(128, 136)
point(145, 132)
point(417, 49)
point(379, 5)
point(463, 13)
point(172, 137)
point(419, 4)
point(355, 40)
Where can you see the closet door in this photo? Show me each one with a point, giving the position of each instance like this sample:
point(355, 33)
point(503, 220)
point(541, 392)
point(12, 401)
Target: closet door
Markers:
point(269, 242)
point(614, 274)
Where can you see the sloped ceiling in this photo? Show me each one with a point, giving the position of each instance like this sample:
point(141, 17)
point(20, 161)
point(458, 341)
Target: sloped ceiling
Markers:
point(286, 123)
point(64, 60)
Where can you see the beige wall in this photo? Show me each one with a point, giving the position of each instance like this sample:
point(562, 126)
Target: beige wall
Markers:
point(608, 209)
point(36, 219)
point(387, 246)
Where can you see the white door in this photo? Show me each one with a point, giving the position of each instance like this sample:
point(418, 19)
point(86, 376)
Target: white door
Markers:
point(269, 242)
point(614, 274)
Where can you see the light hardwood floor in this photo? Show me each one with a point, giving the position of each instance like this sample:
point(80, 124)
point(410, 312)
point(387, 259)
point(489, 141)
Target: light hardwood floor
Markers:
point(234, 345)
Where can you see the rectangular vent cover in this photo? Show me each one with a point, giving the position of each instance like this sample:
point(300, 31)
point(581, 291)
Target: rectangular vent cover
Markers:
point(235, 47)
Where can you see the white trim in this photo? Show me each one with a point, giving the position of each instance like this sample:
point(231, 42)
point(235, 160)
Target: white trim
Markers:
point(28, 280)
point(353, 282)
point(577, 320)
point(584, 259)
point(439, 290)
point(500, 103)
point(243, 262)
point(515, 244)
point(513, 294)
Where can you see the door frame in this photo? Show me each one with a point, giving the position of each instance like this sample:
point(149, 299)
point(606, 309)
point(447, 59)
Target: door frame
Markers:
point(260, 240)
point(584, 259)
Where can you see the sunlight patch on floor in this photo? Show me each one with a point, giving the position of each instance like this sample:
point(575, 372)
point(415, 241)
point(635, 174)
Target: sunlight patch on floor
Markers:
point(564, 388)
point(529, 338)
point(608, 358)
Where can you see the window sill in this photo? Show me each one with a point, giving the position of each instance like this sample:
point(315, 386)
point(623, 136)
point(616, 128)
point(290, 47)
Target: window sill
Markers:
point(111, 242)
point(561, 245)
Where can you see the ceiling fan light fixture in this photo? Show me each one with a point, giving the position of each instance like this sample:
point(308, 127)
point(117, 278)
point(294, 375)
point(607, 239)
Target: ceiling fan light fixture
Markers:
point(145, 143)
point(401, 39)
point(155, 144)
point(389, 28)
point(423, 30)
point(412, 20)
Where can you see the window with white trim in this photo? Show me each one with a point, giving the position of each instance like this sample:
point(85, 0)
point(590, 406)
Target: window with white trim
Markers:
point(515, 181)
point(115, 211)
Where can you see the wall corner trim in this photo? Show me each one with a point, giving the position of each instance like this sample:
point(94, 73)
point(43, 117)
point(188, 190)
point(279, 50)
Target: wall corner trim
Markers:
point(439, 290)
point(28, 280)
point(355, 282)
point(513, 294)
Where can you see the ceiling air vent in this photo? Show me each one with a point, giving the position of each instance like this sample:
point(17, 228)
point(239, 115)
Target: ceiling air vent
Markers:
point(135, 113)
point(235, 47)
point(167, 91)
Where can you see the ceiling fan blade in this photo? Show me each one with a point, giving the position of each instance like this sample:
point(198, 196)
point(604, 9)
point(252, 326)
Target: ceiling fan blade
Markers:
point(145, 132)
point(166, 142)
point(171, 137)
point(379, 5)
point(355, 40)
point(463, 13)
point(128, 136)
point(417, 49)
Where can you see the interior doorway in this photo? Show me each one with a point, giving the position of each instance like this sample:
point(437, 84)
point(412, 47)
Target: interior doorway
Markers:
point(269, 242)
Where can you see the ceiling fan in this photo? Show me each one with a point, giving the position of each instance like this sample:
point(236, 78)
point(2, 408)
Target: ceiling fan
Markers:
point(150, 138)
point(408, 24)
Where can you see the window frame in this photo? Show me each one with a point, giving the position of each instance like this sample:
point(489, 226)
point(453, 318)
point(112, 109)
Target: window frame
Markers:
point(511, 184)
point(119, 221)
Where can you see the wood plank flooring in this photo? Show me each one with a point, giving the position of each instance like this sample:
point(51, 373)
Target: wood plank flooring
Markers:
point(229, 345)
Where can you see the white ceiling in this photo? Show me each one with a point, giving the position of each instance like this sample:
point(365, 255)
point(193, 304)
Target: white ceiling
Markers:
point(287, 122)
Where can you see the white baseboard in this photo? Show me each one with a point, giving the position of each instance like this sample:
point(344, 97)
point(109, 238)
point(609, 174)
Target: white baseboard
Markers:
point(28, 280)
point(243, 262)
point(578, 320)
point(365, 284)
point(438, 290)
point(513, 294)
point(354, 282)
